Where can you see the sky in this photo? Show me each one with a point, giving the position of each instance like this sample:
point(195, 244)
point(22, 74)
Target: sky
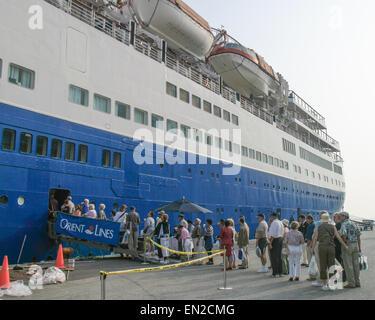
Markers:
point(325, 49)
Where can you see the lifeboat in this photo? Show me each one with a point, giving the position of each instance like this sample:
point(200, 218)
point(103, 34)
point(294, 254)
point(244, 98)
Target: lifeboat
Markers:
point(243, 70)
point(177, 23)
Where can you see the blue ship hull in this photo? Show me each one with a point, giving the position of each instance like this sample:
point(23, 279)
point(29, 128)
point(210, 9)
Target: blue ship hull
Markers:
point(146, 187)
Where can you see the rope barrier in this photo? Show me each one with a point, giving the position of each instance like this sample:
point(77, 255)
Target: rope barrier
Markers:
point(172, 266)
point(179, 252)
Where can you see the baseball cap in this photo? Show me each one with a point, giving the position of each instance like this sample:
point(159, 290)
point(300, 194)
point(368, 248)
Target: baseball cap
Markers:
point(261, 215)
point(345, 214)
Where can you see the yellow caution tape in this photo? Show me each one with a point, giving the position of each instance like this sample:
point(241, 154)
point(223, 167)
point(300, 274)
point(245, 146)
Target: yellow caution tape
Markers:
point(183, 253)
point(172, 266)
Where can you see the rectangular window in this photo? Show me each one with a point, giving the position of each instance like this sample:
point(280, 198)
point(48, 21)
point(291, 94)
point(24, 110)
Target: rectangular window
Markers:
point(277, 162)
point(245, 151)
point(56, 149)
point(228, 146)
point(184, 96)
point(217, 111)
point(299, 170)
point(106, 158)
point(209, 139)
point(196, 101)
point(157, 121)
point(1, 68)
point(281, 164)
point(236, 148)
point(313, 158)
point(21, 76)
point(140, 116)
point(70, 149)
point(286, 165)
point(270, 160)
point(295, 168)
point(26, 142)
point(82, 153)
point(226, 115)
point(9, 140)
point(171, 90)
point(259, 156)
point(307, 172)
point(207, 106)
point(251, 153)
point(265, 158)
point(102, 104)
point(172, 126)
point(41, 146)
point(117, 160)
point(235, 120)
point(78, 96)
point(218, 143)
point(289, 147)
point(122, 110)
point(185, 131)
point(198, 136)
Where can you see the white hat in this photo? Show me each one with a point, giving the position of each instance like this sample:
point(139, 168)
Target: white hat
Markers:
point(325, 217)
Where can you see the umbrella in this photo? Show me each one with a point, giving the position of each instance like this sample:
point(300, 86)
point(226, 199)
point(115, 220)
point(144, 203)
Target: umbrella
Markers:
point(183, 206)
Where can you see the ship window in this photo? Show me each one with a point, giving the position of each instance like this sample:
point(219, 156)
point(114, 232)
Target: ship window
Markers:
point(198, 135)
point(122, 110)
point(106, 158)
point(245, 151)
point(281, 164)
point(172, 126)
point(217, 111)
point(78, 95)
point(235, 120)
point(102, 104)
point(9, 139)
point(70, 151)
point(226, 115)
point(171, 90)
point(228, 146)
point(56, 149)
point(184, 96)
point(196, 101)
point(26, 142)
point(41, 146)
point(236, 148)
point(277, 162)
point(141, 116)
point(259, 156)
point(218, 143)
point(251, 154)
point(207, 106)
point(209, 139)
point(82, 153)
point(3, 199)
point(265, 158)
point(21, 76)
point(307, 172)
point(157, 122)
point(286, 165)
point(270, 160)
point(117, 160)
point(185, 131)
point(1, 67)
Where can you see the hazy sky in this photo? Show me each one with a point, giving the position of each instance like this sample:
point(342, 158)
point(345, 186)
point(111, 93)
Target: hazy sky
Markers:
point(326, 51)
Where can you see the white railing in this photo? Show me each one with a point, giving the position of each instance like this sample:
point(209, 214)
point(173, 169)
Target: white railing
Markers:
point(255, 110)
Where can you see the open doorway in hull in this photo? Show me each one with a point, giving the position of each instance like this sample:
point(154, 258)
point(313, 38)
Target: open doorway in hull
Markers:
point(60, 195)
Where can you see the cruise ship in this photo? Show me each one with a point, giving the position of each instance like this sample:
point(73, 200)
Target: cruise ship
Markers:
point(142, 102)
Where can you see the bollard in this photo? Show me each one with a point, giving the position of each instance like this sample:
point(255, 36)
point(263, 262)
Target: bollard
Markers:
point(225, 272)
point(102, 282)
point(144, 251)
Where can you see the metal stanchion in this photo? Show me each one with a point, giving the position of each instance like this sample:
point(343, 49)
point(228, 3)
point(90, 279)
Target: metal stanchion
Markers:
point(144, 251)
point(102, 282)
point(225, 271)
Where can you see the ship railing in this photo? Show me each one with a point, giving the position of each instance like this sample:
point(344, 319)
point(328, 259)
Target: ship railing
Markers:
point(293, 97)
point(256, 110)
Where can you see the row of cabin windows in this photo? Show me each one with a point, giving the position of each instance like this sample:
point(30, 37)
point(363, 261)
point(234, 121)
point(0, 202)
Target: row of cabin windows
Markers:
point(19, 76)
point(196, 101)
point(26, 141)
point(262, 157)
point(298, 169)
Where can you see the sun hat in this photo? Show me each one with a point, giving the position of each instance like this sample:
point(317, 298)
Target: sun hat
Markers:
point(325, 217)
point(285, 222)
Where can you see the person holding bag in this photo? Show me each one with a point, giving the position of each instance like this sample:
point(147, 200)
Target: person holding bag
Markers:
point(294, 241)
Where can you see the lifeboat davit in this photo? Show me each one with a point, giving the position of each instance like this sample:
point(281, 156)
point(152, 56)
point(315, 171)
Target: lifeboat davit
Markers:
point(177, 23)
point(243, 70)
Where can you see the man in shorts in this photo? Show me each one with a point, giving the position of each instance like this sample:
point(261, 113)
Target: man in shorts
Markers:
point(261, 236)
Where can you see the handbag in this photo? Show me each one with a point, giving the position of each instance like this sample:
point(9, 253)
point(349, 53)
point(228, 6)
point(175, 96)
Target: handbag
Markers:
point(313, 268)
point(240, 254)
point(363, 264)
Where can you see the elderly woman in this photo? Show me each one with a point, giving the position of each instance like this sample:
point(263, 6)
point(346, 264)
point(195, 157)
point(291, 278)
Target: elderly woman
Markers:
point(185, 238)
point(91, 214)
point(78, 211)
point(226, 236)
point(284, 252)
point(102, 215)
point(325, 235)
point(294, 241)
point(197, 235)
point(162, 232)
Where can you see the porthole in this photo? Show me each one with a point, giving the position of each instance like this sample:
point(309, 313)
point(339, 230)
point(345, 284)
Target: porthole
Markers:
point(21, 201)
point(3, 199)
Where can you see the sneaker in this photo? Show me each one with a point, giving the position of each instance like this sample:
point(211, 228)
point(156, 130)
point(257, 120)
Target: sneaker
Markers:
point(263, 270)
point(317, 284)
